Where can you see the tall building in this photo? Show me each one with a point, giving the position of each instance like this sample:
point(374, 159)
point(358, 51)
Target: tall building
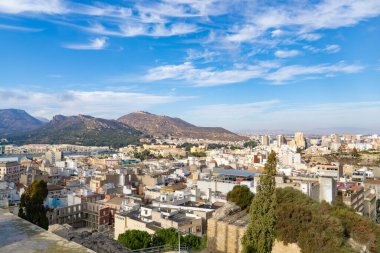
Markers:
point(327, 189)
point(281, 140)
point(54, 156)
point(299, 140)
point(265, 141)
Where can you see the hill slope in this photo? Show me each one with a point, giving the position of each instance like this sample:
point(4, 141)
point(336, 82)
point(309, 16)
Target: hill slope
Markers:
point(166, 126)
point(14, 120)
point(80, 130)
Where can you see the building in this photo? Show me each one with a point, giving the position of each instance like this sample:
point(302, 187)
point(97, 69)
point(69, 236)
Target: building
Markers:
point(334, 170)
point(54, 156)
point(265, 140)
point(281, 140)
point(29, 178)
point(299, 140)
point(327, 189)
point(90, 215)
point(226, 229)
point(369, 205)
point(352, 196)
point(10, 171)
point(151, 219)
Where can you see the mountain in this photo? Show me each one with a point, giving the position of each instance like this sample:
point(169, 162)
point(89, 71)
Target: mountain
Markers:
point(16, 121)
point(80, 130)
point(157, 125)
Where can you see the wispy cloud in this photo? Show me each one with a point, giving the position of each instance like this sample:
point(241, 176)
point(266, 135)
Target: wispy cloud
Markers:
point(329, 49)
point(286, 53)
point(95, 44)
point(291, 72)
point(275, 115)
point(36, 6)
point(203, 77)
point(19, 28)
point(205, 56)
point(241, 73)
point(108, 104)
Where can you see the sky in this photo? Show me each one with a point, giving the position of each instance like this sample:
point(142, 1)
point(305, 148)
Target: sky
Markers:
point(239, 64)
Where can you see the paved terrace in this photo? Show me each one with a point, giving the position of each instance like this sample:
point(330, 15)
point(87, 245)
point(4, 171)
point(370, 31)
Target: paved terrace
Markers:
point(20, 236)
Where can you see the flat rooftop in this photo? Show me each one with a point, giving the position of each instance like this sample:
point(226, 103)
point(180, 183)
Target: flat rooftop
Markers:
point(20, 236)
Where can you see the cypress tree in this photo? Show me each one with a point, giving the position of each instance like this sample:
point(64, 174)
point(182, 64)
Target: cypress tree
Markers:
point(260, 234)
point(32, 204)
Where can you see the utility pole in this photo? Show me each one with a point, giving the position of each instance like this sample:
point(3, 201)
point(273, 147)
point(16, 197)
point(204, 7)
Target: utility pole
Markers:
point(179, 242)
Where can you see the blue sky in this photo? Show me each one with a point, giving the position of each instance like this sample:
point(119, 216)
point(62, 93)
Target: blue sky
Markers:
point(292, 65)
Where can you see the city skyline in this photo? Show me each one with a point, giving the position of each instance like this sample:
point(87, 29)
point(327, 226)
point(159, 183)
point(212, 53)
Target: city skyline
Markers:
point(241, 65)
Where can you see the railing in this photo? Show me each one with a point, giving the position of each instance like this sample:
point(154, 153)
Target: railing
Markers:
point(163, 248)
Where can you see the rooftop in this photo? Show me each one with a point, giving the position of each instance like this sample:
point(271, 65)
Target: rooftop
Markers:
point(20, 236)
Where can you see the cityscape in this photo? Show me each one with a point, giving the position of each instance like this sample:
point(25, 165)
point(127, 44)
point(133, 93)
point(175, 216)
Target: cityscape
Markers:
point(189, 126)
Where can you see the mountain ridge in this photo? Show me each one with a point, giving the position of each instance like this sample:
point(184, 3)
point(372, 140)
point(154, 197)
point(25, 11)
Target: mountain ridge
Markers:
point(88, 130)
point(162, 125)
point(16, 120)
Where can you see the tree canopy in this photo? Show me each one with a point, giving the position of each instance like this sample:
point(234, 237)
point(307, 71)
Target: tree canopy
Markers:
point(241, 195)
point(135, 239)
point(260, 234)
point(32, 204)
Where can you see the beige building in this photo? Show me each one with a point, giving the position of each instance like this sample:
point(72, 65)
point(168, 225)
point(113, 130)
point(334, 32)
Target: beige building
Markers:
point(299, 140)
point(54, 156)
point(353, 197)
point(10, 171)
point(265, 140)
point(152, 219)
point(369, 206)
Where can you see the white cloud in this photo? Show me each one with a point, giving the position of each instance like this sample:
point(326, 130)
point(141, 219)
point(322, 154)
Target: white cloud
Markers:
point(270, 71)
point(142, 29)
point(107, 104)
point(38, 6)
point(310, 36)
point(205, 55)
point(203, 77)
point(330, 49)
point(19, 28)
point(286, 53)
point(95, 44)
point(301, 18)
point(291, 72)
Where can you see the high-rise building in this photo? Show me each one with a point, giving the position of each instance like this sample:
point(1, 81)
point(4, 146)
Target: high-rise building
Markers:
point(265, 140)
point(54, 156)
point(299, 140)
point(281, 140)
point(327, 189)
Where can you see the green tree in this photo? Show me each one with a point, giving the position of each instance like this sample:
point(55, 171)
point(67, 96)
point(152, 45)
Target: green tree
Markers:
point(241, 196)
point(355, 153)
point(135, 239)
point(193, 241)
point(165, 236)
point(260, 234)
point(250, 144)
point(32, 204)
